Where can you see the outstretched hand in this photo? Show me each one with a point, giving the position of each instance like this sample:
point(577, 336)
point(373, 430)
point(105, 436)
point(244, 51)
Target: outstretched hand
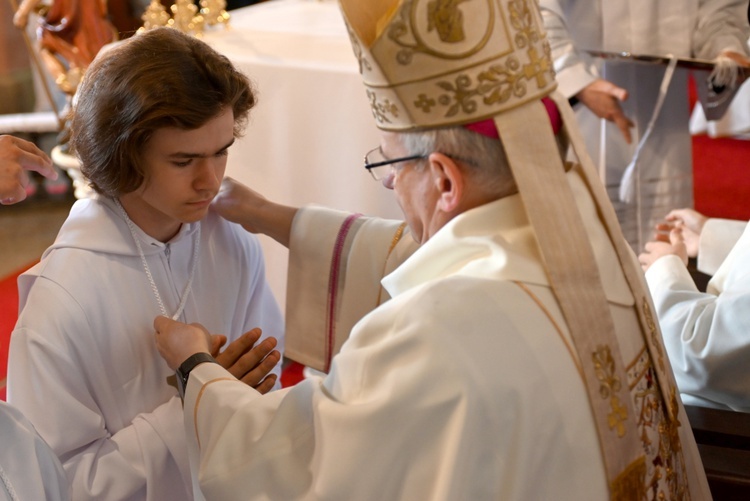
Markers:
point(603, 99)
point(248, 362)
point(251, 363)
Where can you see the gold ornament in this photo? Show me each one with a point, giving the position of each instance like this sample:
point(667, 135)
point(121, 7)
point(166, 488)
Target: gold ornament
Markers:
point(154, 16)
point(214, 12)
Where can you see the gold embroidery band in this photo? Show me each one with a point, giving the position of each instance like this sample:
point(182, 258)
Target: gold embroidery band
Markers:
point(630, 485)
point(633, 274)
point(574, 277)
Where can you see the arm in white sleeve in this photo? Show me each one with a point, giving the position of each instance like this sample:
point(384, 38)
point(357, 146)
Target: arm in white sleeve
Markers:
point(574, 69)
point(718, 237)
point(336, 262)
point(705, 335)
point(722, 25)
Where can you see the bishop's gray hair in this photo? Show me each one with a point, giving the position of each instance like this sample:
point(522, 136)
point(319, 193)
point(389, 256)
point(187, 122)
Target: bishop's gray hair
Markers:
point(483, 158)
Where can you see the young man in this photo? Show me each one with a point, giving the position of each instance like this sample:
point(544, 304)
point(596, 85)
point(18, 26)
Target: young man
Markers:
point(517, 357)
point(153, 124)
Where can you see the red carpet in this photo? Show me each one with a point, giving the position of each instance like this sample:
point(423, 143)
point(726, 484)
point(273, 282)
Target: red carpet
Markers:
point(721, 177)
point(8, 314)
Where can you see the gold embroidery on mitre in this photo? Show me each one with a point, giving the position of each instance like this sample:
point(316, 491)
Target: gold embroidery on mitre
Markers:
point(438, 63)
point(446, 19)
point(499, 82)
point(362, 61)
point(630, 485)
point(604, 365)
point(655, 341)
point(381, 110)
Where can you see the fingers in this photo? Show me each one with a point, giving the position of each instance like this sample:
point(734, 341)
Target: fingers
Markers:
point(14, 194)
point(32, 158)
point(217, 341)
point(267, 384)
point(254, 365)
point(161, 323)
point(177, 341)
point(261, 375)
point(624, 124)
point(239, 347)
point(676, 237)
point(613, 90)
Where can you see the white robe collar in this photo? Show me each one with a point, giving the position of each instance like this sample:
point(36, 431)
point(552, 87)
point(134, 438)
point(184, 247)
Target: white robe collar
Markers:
point(496, 241)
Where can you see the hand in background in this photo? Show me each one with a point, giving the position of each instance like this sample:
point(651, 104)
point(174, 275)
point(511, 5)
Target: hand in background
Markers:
point(690, 222)
point(659, 248)
point(17, 157)
point(603, 99)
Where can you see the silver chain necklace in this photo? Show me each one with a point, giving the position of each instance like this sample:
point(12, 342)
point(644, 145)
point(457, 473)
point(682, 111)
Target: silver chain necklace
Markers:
point(154, 288)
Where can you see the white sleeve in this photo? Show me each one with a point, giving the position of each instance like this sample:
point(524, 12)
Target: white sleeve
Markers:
point(574, 69)
point(705, 335)
point(28, 467)
point(336, 262)
point(722, 25)
point(717, 239)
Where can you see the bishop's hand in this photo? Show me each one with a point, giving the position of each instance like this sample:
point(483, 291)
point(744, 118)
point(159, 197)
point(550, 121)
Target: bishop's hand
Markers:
point(248, 362)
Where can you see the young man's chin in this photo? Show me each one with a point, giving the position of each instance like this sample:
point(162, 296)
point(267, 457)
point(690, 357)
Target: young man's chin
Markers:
point(195, 212)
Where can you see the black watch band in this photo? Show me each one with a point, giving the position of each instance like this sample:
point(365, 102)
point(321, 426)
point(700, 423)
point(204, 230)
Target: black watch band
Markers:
point(183, 371)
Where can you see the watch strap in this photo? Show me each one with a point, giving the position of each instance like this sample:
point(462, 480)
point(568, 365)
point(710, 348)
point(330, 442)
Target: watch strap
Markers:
point(183, 371)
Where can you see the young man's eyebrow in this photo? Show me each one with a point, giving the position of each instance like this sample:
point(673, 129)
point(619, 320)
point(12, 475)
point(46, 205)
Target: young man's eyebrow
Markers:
point(184, 154)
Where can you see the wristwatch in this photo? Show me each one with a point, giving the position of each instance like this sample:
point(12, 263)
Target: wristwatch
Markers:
point(183, 371)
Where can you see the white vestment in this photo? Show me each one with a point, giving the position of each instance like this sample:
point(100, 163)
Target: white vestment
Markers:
point(83, 366)
point(29, 470)
point(463, 385)
point(706, 334)
point(683, 28)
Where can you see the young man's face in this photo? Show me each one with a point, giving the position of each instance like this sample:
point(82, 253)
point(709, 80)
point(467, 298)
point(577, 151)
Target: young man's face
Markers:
point(184, 169)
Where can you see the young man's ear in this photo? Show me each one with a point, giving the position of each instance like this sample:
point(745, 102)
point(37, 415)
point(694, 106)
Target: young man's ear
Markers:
point(448, 180)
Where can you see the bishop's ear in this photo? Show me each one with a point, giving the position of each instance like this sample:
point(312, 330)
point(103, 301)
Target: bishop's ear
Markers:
point(448, 180)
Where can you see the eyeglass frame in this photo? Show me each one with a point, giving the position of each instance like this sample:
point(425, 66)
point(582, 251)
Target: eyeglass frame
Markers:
point(370, 166)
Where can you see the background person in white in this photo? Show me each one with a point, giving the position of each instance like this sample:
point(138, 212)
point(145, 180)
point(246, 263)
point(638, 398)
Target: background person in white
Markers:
point(470, 380)
point(28, 467)
point(621, 92)
point(153, 123)
point(705, 333)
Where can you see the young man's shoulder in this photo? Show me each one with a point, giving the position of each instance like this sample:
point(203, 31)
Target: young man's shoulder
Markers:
point(217, 229)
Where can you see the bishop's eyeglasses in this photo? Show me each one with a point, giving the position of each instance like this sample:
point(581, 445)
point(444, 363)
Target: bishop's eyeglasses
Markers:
point(381, 167)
